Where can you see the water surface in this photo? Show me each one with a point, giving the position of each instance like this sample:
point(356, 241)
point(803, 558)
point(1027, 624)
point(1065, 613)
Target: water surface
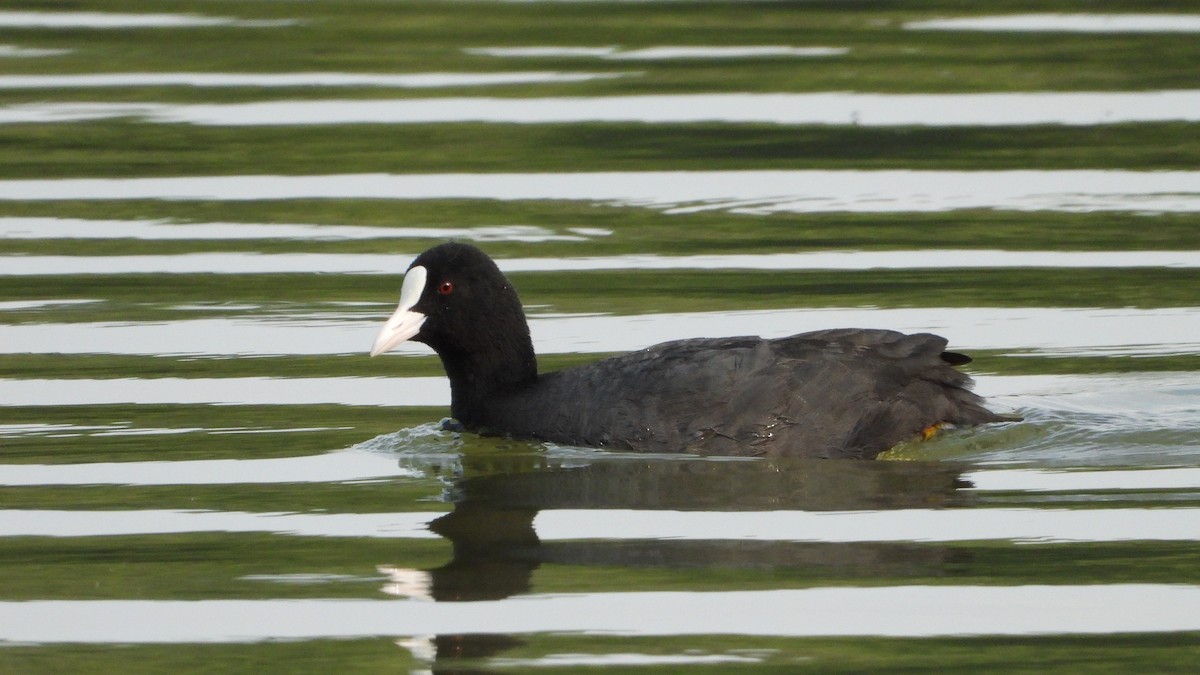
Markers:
point(679, 192)
point(1069, 23)
point(200, 464)
point(827, 108)
point(658, 53)
point(269, 80)
point(118, 20)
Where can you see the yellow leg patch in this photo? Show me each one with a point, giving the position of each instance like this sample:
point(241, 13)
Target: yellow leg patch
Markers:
point(931, 430)
point(907, 450)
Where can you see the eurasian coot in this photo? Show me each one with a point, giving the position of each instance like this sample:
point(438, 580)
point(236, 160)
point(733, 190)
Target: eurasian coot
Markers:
point(829, 393)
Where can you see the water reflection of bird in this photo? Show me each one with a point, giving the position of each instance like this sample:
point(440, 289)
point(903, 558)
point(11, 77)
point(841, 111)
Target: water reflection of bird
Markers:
point(831, 393)
point(497, 550)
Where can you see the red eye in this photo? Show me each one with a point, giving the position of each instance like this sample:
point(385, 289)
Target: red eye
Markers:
point(446, 288)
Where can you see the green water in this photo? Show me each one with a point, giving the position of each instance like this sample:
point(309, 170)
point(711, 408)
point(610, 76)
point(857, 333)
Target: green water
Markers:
point(203, 471)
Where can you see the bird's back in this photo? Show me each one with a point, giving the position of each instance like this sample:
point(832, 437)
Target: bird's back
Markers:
point(834, 393)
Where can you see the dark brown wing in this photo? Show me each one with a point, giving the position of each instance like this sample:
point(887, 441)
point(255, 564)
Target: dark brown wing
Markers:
point(836, 393)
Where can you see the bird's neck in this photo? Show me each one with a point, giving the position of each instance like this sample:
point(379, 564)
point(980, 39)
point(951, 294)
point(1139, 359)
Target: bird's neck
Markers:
point(482, 379)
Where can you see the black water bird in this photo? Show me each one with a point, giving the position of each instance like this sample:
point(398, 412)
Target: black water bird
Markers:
point(830, 393)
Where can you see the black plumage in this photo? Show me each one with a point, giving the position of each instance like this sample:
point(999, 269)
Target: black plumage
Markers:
point(830, 393)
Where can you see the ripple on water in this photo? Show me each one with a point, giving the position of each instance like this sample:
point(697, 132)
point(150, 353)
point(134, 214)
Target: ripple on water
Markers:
point(1026, 525)
point(162, 230)
point(115, 20)
point(333, 467)
point(13, 52)
point(827, 108)
point(368, 263)
point(944, 610)
point(272, 80)
point(659, 53)
point(367, 391)
point(752, 192)
point(349, 330)
point(1067, 23)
